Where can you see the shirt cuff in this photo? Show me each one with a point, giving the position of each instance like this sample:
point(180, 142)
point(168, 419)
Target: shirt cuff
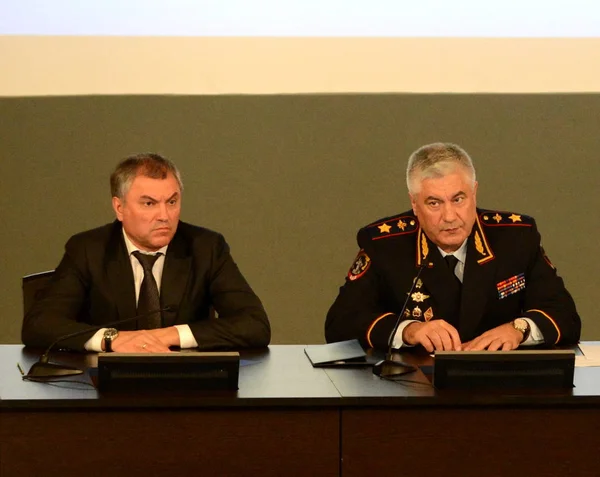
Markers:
point(95, 342)
point(397, 343)
point(535, 335)
point(186, 337)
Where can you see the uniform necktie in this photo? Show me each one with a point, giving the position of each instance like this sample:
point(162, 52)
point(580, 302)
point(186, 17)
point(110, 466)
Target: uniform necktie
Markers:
point(149, 299)
point(451, 261)
point(456, 291)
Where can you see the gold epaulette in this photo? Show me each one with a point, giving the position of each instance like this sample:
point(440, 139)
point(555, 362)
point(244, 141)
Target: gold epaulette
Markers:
point(393, 226)
point(493, 218)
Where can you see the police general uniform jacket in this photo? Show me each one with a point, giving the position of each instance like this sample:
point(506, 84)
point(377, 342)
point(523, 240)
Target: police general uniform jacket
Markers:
point(507, 275)
point(93, 285)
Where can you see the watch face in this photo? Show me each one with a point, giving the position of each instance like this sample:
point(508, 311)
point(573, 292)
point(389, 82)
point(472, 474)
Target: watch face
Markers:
point(110, 333)
point(521, 325)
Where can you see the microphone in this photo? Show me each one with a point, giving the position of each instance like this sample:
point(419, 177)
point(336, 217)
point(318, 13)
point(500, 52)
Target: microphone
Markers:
point(43, 369)
point(387, 367)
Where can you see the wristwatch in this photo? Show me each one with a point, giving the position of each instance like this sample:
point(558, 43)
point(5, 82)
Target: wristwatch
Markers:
point(110, 334)
point(522, 325)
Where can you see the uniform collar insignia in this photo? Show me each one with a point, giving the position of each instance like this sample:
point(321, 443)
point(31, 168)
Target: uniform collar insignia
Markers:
point(422, 247)
point(482, 247)
point(484, 251)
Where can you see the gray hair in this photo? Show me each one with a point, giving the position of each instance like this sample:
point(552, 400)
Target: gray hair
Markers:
point(146, 164)
point(436, 160)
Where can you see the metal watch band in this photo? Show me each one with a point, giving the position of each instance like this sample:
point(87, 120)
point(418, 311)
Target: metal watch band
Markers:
point(109, 335)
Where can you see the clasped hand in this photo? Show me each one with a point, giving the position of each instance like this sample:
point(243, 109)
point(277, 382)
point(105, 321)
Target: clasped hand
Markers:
point(439, 335)
point(146, 341)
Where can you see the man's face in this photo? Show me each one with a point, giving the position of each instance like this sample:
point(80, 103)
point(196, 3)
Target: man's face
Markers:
point(150, 211)
point(445, 208)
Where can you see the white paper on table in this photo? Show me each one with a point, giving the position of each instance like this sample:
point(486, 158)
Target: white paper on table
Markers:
point(590, 356)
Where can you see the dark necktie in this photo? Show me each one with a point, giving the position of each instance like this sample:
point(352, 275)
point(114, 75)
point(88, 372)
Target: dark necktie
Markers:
point(451, 261)
point(149, 299)
point(456, 287)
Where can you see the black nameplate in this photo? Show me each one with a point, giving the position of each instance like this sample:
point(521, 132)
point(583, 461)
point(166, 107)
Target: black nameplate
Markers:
point(504, 369)
point(168, 371)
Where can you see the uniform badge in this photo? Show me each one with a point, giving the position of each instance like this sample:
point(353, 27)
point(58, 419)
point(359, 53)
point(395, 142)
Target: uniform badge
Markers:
point(384, 228)
point(424, 246)
point(515, 218)
point(419, 297)
point(419, 284)
point(428, 314)
point(511, 285)
point(361, 264)
point(479, 244)
point(392, 227)
point(416, 313)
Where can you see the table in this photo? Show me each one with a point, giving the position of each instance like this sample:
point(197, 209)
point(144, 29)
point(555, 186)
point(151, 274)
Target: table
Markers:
point(291, 419)
point(282, 421)
point(411, 429)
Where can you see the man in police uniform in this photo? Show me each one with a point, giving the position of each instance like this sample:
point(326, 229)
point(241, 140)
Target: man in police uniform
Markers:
point(484, 281)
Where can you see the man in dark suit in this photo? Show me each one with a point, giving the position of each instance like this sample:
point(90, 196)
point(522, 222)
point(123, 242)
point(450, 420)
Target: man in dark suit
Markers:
point(145, 261)
point(484, 281)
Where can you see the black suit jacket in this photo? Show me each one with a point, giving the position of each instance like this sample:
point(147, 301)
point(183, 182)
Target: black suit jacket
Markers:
point(507, 275)
point(93, 285)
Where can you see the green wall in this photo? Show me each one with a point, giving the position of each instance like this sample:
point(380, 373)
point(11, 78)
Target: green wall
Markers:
point(289, 180)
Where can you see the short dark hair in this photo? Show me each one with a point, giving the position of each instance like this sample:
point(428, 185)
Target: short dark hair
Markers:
point(146, 164)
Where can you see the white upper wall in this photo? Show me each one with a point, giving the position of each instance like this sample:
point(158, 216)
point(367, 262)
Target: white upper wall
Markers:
point(73, 47)
point(314, 18)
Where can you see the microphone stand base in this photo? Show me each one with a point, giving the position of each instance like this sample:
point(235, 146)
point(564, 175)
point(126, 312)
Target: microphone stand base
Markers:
point(51, 371)
point(388, 368)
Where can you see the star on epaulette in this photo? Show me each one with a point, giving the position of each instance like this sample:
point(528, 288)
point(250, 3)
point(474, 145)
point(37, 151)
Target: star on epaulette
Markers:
point(393, 226)
point(495, 218)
